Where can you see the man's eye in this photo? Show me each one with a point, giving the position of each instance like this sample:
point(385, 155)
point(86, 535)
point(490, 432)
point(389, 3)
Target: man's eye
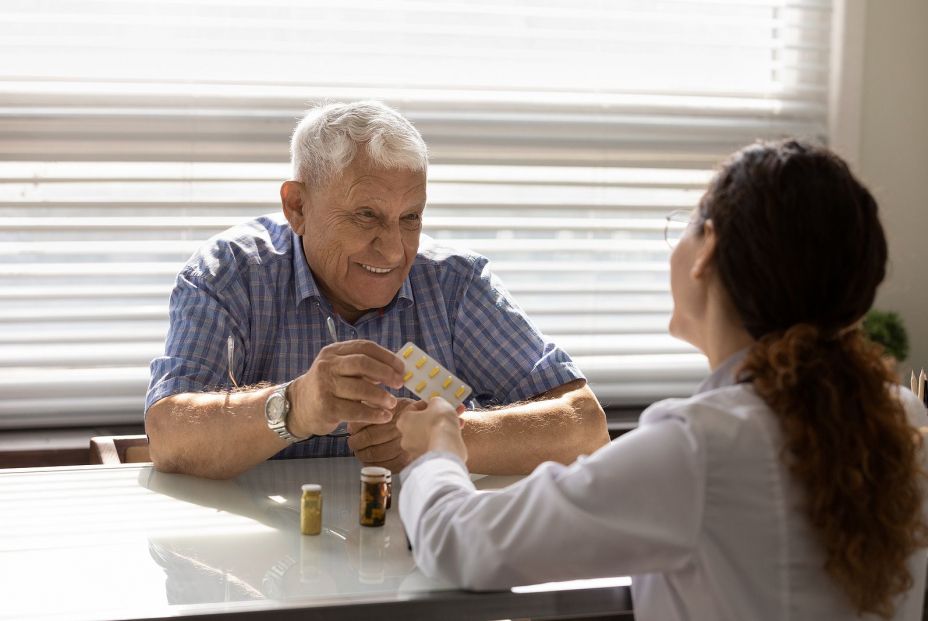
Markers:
point(412, 221)
point(367, 214)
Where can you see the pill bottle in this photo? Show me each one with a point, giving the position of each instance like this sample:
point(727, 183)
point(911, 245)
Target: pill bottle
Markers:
point(373, 506)
point(311, 509)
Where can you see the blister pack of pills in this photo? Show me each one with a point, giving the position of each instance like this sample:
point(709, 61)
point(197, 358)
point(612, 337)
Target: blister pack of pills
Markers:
point(426, 378)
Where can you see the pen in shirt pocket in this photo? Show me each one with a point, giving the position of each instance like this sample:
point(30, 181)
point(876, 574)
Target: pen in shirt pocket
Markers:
point(330, 324)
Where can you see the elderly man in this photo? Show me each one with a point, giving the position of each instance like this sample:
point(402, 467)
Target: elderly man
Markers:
point(348, 253)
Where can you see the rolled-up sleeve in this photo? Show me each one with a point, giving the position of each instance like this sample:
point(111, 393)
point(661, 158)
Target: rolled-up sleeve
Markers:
point(195, 356)
point(634, 506)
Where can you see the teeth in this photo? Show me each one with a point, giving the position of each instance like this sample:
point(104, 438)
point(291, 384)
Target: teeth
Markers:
point(377, 270)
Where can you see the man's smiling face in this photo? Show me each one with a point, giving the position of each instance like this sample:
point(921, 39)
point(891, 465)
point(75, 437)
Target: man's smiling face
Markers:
point(361, 234)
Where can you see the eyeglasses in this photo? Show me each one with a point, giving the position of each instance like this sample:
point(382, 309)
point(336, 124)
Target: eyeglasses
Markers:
point(678, 221)
point(230, 359)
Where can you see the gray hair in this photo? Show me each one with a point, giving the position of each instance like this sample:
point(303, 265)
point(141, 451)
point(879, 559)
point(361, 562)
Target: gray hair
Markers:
point(326, 140)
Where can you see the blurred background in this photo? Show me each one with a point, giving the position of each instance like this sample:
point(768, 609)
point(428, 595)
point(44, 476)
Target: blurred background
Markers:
point(561, 133)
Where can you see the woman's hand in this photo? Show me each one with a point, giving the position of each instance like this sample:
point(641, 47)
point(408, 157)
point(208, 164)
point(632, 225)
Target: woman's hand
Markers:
point(431, 426)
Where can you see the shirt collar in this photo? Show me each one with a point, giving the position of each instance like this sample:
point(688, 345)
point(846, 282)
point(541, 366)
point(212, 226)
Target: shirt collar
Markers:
point(724, 374)
point(405, 298)
point(306, 286)
point(305, 283)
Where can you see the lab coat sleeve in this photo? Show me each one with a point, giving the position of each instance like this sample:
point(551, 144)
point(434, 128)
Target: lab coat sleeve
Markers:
point(634, 506)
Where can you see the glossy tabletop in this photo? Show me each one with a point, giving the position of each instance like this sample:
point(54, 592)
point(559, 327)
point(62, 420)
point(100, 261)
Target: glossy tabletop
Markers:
point(94, 542)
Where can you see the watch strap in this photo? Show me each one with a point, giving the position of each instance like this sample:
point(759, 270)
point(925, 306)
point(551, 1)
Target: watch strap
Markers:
point(280, 428)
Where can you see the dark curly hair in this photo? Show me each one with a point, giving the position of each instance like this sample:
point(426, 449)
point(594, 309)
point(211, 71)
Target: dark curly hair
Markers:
point(801, 251)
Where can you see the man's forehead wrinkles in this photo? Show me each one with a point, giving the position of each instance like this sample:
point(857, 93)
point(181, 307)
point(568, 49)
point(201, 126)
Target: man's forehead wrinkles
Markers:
point(416, 188)
point(381, 183)
point(362, 180)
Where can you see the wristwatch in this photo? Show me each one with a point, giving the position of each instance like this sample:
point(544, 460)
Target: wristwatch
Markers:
point(276, 409)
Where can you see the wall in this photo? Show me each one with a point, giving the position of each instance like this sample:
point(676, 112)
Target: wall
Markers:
point(893, 155)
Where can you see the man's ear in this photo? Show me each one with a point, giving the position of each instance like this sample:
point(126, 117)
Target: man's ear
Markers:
point(705, 255)
point(291, 199)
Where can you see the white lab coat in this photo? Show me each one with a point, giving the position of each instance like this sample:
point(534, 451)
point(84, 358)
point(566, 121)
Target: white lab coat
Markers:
point(696, 505)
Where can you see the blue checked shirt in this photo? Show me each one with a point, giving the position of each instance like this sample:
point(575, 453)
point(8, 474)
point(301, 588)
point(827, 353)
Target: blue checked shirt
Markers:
point(252, 282)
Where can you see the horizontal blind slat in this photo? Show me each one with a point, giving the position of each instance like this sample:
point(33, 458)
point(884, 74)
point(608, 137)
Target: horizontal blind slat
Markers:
point(560, 134)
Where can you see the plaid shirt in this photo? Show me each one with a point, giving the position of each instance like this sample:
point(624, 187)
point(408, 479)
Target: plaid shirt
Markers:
point(252, 282)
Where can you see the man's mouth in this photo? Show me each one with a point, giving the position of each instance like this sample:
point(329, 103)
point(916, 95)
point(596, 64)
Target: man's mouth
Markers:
point(377, 270)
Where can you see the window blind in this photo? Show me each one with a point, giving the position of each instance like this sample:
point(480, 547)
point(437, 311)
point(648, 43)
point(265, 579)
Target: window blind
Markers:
point(561, 132)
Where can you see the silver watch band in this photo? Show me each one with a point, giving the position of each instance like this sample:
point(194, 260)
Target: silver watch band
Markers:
point(281, 428)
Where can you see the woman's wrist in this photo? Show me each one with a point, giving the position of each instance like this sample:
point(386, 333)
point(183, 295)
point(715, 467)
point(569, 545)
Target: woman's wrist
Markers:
point(446, 437)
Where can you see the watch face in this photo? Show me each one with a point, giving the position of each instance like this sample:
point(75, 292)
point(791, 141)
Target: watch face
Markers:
point(275, 409)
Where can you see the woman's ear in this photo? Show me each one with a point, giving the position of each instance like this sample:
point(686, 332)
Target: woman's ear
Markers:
point(294, 207)
point(705, 255)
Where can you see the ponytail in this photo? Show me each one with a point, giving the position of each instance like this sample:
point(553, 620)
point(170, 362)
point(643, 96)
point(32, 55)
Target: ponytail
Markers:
point(848, 443)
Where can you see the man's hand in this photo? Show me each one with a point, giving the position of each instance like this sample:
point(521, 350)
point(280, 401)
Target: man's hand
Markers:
point(379, 444)
point(344, 384)
point(431, 426)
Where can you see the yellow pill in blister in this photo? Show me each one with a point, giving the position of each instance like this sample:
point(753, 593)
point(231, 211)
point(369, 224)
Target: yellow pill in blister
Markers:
point(447, 382)
point(421, 362)
point(420, 386)
point(433, 395)
point(407, 376)
point(434, 371)
point(460, 391)
point(408, 352)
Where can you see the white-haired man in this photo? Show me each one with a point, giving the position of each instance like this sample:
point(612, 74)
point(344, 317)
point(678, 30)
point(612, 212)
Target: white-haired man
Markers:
point(347, 252)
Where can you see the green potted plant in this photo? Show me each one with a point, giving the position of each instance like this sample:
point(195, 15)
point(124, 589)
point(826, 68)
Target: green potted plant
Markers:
point(887, 329)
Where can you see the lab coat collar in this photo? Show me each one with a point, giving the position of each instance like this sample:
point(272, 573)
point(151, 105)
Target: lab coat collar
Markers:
point(724, 374)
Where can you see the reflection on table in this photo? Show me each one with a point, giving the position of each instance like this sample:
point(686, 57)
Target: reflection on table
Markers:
point(130, 542)
point(273, 560)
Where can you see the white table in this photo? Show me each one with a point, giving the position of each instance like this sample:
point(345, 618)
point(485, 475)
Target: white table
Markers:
point(94, 542)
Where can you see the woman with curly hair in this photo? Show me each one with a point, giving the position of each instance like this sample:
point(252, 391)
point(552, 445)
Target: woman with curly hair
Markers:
point(790, 486)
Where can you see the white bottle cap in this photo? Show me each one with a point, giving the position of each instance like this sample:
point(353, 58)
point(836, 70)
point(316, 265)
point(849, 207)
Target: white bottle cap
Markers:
point(373, 473)
point(312, 487)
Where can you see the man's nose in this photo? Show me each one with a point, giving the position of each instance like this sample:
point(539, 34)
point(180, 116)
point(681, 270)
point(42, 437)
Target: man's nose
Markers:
point(390, 244)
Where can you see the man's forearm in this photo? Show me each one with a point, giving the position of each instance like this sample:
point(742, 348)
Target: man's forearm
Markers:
point(560, 426)
point(215, 435)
